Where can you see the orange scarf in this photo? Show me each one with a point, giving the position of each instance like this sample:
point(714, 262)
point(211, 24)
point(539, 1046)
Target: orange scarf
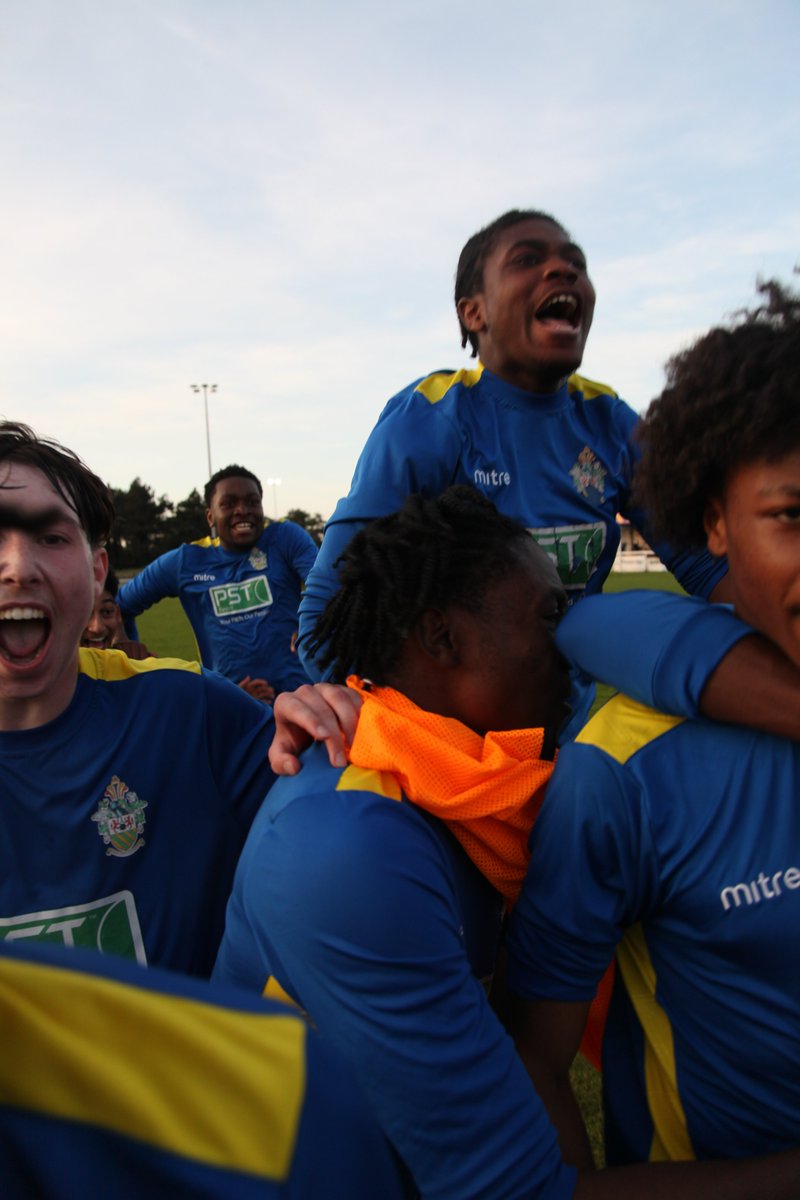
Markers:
point(488, 790)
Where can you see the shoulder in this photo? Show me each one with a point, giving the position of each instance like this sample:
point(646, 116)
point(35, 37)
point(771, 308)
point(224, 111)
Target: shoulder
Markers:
point(623, 727)
point(446, 384)
point(590, 389)
point(114, 665)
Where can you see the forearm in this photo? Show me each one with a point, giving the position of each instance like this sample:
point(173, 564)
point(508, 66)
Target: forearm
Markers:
point(755, 684)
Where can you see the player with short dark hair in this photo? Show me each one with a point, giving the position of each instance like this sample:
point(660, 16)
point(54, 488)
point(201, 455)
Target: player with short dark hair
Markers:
point(552, 449)
point(128, 787)
point(239, 587)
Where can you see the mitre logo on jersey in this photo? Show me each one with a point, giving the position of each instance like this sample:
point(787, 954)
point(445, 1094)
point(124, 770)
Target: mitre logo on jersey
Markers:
point(588, 473)
point(258, 559)
point(232, 599)
point(120, 819)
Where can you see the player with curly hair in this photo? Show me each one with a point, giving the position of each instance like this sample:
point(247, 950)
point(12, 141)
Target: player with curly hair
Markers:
point(683, 836)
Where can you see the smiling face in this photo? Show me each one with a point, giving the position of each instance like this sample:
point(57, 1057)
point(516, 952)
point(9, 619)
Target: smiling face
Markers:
point(498, 667)
point(50, 579)
point(236, 512)
point(535, 307)
point(105, 624)
point(757, 525)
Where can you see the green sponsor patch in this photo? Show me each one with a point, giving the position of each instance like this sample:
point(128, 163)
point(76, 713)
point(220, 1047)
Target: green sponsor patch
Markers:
point(575, 550)
point(110, 925)
point(230, 599)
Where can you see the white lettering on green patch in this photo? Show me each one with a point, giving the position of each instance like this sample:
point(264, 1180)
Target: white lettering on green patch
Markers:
point(575, 550)
point(110, 925)
point(234, 598)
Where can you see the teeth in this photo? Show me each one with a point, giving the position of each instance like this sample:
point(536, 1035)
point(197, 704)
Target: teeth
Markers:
point(570, 302)
point(21, 614)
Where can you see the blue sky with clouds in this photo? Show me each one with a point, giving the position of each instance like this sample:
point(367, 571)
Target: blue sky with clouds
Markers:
point(272, 197)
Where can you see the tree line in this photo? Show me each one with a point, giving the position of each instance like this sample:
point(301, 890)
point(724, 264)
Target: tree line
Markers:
point(147, 525)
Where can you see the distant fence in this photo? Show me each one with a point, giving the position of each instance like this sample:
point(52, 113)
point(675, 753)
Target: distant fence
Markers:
point(637, 560)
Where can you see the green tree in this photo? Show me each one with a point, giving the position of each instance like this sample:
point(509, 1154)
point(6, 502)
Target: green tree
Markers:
point(188, 522)
point(139, 526)
point(312, 522)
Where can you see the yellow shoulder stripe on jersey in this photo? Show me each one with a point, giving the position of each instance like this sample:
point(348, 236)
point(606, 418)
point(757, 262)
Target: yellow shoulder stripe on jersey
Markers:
point(205, 542)
point(272, 990)
point(364, 779)
point(671, 1141)
point(439, 384)
point(590, 389)
point(112, 665)
point(69, 1058)
point(623, 726)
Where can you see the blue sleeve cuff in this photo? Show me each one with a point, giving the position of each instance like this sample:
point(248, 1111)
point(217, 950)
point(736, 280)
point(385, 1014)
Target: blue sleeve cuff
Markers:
point(658, 647)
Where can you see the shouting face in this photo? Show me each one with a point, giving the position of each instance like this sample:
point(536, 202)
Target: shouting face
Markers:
point(534, 310)
point(50, 579)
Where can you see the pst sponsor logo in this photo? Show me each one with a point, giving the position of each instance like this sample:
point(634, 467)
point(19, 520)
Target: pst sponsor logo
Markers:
point(120, 819)
point(233, 599)
point(110, 925)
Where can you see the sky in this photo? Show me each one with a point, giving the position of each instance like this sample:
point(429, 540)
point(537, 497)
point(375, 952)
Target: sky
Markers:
point(272, 196)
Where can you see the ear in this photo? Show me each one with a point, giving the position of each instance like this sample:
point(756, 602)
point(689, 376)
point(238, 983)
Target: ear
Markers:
point(471, 311)
point(715, 527)
point(99, 570)
point(434, 634)
point(210, 520)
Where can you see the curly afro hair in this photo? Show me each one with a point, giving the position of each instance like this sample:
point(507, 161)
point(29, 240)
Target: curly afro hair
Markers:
point(732, 398)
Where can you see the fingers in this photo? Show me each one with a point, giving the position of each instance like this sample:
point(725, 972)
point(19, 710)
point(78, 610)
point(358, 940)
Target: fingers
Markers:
point(322, 712)
point(259, 689)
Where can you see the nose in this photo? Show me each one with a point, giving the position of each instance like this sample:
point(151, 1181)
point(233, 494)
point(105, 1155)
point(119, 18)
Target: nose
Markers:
point(18, 561)
point(559, 267)
point(95, 626)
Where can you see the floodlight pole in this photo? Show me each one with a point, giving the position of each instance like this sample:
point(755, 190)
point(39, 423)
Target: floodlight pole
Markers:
point(275, 484)
point(206, 388)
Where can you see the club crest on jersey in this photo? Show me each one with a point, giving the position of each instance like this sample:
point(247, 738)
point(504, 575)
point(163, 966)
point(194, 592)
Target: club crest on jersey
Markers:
point(588, 473)
point(258, 559)
point(120, 819)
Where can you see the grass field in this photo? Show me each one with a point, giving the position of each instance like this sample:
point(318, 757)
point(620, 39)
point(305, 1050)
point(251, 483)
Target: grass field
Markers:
point(167, 633)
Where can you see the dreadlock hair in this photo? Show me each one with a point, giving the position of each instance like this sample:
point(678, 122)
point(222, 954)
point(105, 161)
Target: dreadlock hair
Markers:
point(231, 472)
point(471, 260)
point(732, 398)
point(85, 493)
point(431, 554)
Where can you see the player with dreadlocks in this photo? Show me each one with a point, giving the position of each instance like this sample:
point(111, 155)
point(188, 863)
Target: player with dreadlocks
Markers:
point(372, 895)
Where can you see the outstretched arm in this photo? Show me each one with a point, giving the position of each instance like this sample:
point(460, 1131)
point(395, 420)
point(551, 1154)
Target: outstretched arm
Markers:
point(684, 656)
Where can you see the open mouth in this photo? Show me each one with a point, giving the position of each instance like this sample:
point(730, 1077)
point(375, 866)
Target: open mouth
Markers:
point(23, 634)
point(562, 309)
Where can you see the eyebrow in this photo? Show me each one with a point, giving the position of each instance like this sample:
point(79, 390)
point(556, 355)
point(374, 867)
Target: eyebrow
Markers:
point(543, 243)
point(12, 517)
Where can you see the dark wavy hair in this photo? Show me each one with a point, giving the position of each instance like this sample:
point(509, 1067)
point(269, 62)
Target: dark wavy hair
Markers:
point(732, 398)
point(472, 259)
point(84, 492)
point(430, 554)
